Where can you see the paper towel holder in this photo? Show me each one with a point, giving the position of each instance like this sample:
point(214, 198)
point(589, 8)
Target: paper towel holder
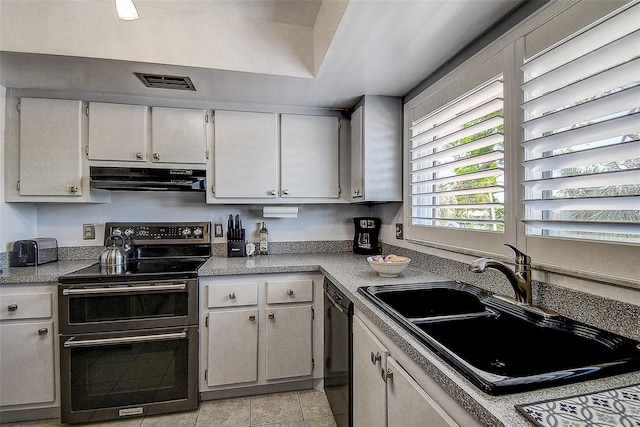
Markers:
point(280, 211)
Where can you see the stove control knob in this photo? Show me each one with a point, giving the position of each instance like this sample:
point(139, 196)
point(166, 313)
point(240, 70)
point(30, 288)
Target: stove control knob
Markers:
point(197, 232)
point(186, 232)
point(128, 232)
point(116, 231)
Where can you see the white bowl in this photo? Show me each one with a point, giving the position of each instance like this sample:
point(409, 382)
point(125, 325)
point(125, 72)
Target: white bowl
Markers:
point(387, 269)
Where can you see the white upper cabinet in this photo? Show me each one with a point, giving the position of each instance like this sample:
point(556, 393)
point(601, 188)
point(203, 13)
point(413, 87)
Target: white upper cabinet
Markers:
point(376, 150)
point(179, 135)
point(246, 154)
point(310, 156)
point(118, 132)
point(136, 133)
point(50, 147)
point(275, 157)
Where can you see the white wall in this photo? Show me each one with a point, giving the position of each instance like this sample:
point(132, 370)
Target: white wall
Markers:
point(314, 222)
point(91, 29)
point(16, 221)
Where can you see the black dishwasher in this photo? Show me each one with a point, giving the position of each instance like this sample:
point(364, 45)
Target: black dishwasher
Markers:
point(338, 350)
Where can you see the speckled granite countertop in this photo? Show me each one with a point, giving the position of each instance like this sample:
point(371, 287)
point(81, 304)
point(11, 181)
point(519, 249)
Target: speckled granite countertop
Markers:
point(349, 272)
point(42, 273)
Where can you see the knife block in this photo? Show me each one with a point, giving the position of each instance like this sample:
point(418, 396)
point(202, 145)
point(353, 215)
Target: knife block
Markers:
point(236, 246)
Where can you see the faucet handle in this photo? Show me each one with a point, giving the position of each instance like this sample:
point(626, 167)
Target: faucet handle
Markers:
point(521, 257)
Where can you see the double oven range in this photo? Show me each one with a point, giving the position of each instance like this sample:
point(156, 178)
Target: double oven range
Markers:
point(129, 339)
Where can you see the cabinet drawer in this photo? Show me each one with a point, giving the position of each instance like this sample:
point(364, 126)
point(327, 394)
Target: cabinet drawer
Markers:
point(289, 291)
point(26, 306)
point(232, 295)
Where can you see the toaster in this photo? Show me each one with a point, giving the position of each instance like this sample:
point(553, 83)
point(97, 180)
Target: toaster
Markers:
point(33, 252)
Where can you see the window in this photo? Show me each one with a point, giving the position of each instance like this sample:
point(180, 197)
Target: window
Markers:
point(582, 134)
point(562, 169)
point(457, 146)
point(457, 163)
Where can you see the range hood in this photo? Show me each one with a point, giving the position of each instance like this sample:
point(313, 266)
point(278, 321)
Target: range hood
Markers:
point(147, 179)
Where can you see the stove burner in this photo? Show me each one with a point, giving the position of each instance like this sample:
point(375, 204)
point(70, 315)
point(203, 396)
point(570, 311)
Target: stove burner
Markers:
point(156, 251)
point(144, 269)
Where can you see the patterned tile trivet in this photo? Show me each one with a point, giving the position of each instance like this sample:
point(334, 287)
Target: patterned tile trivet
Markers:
point(618, 407)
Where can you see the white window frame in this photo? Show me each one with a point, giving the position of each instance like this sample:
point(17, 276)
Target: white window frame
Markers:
point(463, 240)
point(604, 261)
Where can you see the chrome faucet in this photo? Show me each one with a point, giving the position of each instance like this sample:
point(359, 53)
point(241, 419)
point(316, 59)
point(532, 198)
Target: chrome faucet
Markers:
point(520, 277)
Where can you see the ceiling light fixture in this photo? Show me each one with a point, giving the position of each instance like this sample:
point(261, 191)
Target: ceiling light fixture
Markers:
point(126, 10)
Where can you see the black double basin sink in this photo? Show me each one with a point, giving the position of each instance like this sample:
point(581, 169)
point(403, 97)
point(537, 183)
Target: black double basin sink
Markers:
point(501, 346)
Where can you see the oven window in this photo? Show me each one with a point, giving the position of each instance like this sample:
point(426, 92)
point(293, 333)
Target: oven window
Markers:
point(88, 309)
point(128, 374)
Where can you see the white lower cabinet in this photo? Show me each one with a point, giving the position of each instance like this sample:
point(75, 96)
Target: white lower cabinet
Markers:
point(286, 325)
point(233, 347)
point(258, 331)
point(369, 391)
point(386, 394)
point(28, 361)
point(408, 404)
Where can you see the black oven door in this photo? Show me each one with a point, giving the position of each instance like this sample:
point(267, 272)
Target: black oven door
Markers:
point(117, 375)
point(127, 305)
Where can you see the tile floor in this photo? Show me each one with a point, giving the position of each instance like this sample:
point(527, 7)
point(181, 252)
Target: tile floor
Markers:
point(305, 408)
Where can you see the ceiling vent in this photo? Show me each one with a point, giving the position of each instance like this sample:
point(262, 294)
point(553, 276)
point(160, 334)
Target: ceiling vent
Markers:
point(166, 82)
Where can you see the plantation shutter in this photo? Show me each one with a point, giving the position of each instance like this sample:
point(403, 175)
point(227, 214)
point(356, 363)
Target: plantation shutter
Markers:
point(582, 133)
point(457, 162)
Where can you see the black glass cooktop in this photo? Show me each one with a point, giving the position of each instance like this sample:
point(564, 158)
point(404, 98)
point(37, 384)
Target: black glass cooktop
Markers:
point(138, 269)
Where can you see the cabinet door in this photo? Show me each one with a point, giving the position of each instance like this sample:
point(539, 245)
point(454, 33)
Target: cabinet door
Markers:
point(246, 154)
point(50, 147)
point(404, 392)
point(288, 347)
point(357, 171)
point(369, 390)
point(27, 363)
point(233, 347)
point(309, 148)
point(381, 145)
point(179, 135)
point(118, 132)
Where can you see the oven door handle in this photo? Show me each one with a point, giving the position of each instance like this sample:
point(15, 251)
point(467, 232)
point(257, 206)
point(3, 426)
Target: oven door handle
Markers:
point(71, 342)
point(124, 289)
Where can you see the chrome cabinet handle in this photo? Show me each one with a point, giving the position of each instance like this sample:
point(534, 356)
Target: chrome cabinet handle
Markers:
point(272, 316)
point(232, 295)
point(272, 192)
point(387, 375)
point(73, 190)
point(285, 192)
point(375, 358)
point(12, 307)
point(43, 331)
point(139, 156)
point(252, 317)
point(156, 156)
point(290, 292)
point(356, 191)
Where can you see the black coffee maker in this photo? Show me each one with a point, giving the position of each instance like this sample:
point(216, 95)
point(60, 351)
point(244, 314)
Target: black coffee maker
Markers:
point(365, 239)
